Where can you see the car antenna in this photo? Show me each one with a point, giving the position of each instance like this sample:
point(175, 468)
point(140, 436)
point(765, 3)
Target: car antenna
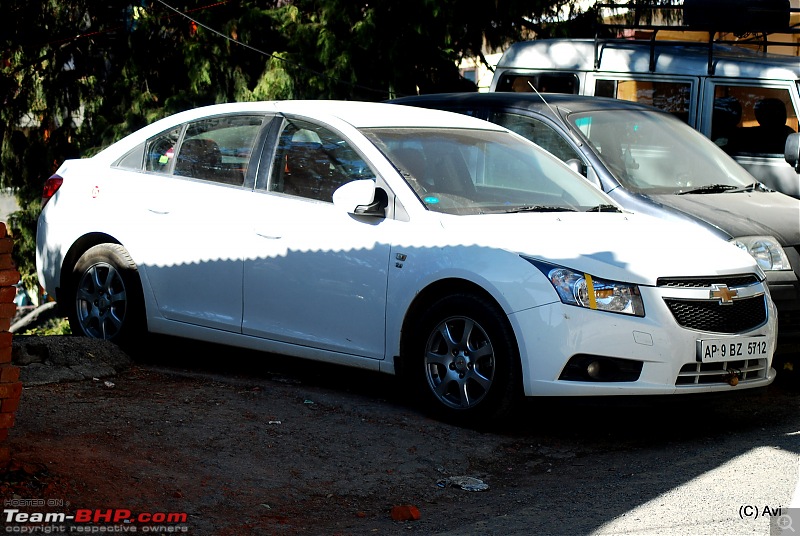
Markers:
point(543, 100)
point(556, 114)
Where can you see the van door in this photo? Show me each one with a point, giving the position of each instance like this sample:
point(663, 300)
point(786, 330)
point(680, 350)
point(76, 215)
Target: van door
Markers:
point(750, 120)
point(677, 95)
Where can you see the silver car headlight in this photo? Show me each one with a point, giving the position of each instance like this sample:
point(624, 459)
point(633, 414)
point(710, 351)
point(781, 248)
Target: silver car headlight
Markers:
point(766, 250)
point(583, 290)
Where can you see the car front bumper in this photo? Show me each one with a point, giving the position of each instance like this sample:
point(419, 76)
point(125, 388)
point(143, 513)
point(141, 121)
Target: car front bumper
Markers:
point(552, 335)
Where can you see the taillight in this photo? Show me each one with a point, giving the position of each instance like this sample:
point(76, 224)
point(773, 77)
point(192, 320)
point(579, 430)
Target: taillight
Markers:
point(51, 186)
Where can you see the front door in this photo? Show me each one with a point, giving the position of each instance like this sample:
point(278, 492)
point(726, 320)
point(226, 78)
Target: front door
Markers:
point(314, 275)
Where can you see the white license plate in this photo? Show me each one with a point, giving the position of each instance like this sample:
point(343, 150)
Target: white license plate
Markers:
point(713, 350)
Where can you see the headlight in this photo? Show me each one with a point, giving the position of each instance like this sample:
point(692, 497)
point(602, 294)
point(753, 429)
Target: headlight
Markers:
point(766, 250)
point(583, 290)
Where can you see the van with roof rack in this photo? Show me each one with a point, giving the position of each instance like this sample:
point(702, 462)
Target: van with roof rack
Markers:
point(747, 102)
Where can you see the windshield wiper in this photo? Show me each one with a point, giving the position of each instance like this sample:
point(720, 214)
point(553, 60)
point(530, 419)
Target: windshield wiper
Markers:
point(752, 187)
point(709, 189)
point(540, 208)
point(604, 208)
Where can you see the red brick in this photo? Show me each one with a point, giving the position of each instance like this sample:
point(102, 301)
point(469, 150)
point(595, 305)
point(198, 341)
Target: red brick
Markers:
point(405, 512)
point(5, 354)
point(7, 294)
point(8, 310)
point(3, 230)
point(9, 374)
point(6, 420)
point(10, 390)
point(5, 339)
point(3, 434)
point(5, 457)
point(9, 405)
point(8, 277)
point(6, 245)
point(6, 261)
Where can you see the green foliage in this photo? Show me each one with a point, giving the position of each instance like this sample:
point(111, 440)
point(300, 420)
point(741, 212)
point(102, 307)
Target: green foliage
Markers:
point(20, 225)
point(57, 326)
point(77, 75)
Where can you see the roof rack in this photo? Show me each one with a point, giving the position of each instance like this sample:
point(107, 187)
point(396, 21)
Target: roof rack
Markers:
point(752, 20)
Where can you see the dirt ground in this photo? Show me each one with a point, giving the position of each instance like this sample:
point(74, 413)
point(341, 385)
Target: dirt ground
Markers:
point(251, 444)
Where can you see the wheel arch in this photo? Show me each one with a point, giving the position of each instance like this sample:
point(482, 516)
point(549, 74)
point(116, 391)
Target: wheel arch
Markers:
point(430, 295)
point(78, 248)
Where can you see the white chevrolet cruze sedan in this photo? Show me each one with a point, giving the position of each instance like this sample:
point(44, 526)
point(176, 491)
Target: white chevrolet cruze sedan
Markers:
point(409, 241)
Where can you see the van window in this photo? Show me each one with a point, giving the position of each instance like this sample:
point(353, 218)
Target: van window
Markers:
point(672, 97)
point(752, 119)
point(543, 82)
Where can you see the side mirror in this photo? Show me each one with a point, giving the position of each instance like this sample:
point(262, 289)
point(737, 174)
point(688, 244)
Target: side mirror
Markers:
point(791, 151)
point(577, 166)
point(361, 198)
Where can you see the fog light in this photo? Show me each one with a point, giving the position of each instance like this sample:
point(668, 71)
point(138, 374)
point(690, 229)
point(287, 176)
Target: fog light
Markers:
point(598, 368)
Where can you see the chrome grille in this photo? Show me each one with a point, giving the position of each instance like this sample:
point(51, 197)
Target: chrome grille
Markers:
point(731, 281)
point(711, 373)
point(741, 315)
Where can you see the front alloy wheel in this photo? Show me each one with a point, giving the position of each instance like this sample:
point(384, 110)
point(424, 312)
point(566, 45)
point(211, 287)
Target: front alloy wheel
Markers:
point(459, 362)
point(465, 361)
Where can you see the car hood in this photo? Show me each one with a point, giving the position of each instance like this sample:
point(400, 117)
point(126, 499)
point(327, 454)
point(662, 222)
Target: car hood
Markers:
point(742, 213)
point(625, 247)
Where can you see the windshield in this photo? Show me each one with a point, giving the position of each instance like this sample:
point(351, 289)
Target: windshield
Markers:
point(461, 171)
point(652, 152)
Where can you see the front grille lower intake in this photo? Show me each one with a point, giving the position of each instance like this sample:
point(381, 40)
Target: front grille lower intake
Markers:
point(739, 316)
point(719, 372)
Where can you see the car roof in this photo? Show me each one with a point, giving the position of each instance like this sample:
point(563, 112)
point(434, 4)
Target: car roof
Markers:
point(355, 113)
point(376, 114)
point(527, 101)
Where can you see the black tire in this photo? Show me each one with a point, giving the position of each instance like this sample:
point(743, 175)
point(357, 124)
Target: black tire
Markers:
point(105, 295)
point(464, 361)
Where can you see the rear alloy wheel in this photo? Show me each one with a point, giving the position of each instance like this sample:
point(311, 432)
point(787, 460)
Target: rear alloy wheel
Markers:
point(106, 295)
point(469, 360)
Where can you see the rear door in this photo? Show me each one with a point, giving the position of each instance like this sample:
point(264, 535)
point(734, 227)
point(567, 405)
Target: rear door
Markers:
point(197, 214)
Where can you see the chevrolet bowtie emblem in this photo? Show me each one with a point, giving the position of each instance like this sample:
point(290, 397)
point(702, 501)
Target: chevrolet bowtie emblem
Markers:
point(724, 294)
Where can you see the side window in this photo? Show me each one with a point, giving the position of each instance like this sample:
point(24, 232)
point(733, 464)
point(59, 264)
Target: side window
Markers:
point(751, 119)
point(160, 151)
point(312, 162)
point(133, 160)
point(218, 149)
point(672, 97)
point(543, 82)
point(538, 132)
